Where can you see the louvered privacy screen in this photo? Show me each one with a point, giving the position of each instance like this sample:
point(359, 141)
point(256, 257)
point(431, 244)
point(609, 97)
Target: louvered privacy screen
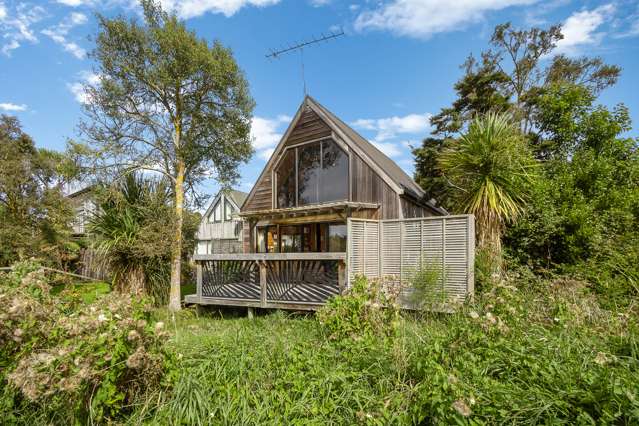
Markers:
point(396, 250)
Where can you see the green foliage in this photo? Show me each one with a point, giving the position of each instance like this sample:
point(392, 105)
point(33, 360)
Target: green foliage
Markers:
point(427, 285)
point(68, 361)
point(34, 214)
point(133, 230)
point(491, 168)
point(428, 175)
point(527, 351)
point(367, 309)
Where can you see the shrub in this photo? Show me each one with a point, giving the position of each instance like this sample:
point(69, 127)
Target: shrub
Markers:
point(368, 308)
point(64, 359)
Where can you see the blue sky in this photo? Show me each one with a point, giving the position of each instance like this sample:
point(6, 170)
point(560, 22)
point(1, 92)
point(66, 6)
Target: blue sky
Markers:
point(396, 66)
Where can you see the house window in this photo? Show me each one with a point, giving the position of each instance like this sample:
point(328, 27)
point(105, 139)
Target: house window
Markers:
point(311, 174)
point(216, 216)
point(228, 210)
point(311, 237)
point(286, 180)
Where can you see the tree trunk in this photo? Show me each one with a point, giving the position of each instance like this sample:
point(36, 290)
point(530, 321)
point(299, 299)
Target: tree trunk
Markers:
point(176, 253)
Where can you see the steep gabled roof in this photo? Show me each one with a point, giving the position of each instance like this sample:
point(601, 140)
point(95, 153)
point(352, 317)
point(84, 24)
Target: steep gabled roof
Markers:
point(386, 168)
point(389, 166)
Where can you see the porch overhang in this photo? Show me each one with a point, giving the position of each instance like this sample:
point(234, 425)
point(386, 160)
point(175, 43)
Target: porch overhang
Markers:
point(315, 209)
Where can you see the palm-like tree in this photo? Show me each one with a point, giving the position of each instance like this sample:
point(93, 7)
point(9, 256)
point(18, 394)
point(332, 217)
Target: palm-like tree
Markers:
point(125, 228)
point(492, 169)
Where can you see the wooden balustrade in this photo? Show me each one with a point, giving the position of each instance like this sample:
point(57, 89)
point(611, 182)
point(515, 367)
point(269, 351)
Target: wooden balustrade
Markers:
point(270, 280)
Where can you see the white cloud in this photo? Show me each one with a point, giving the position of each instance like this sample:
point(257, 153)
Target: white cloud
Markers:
point(73, 3)
point(388, 128)
point(59, 33)
point(7, 106)
point(266, 154)
point(77, 88)
point(580, 29)
point(191, 8)
point(388, 148)
point(423, 18)
point(319, 3)
point(15, 26)
point(264, 131)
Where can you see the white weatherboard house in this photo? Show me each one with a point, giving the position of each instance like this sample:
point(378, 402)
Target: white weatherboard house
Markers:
point(220, 229)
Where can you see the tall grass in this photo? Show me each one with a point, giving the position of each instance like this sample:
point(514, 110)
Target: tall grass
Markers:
point(527, 351)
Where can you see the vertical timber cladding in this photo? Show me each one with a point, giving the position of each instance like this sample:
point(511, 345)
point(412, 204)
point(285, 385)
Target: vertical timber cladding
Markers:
point(368, 187)
point(446, 243)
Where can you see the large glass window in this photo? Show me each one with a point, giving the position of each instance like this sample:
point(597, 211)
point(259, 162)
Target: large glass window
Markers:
point(286, 181)
point(312, 237)
point(311, 174)
point(334, 185)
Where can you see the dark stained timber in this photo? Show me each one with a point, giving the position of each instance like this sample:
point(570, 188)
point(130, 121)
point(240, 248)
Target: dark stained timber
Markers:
point(305, 281)
point(233, 279)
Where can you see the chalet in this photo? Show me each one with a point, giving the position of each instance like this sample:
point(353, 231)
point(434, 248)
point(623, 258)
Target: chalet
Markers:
point(329, 205)
point(220, 229)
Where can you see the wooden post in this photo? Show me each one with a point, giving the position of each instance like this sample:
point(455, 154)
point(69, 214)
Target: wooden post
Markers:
point(341, 276)
point(198, 286)
point(249, 313)
point(262, 283)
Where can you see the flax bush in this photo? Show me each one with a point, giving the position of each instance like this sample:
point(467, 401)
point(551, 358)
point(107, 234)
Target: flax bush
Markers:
point(71, 362)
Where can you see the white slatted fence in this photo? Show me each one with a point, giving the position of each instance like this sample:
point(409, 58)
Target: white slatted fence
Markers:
point(396, 250)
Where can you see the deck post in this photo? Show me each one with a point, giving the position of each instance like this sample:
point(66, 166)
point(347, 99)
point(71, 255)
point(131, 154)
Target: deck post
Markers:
point(198, 285)
point(262, 265)
point(341, 276)
point(249, 313)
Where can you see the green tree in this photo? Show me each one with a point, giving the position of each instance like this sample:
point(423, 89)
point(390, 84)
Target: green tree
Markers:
point(34, 214)
point(132, 230)
point(490, 168)
point(511, 75)
point(585, 208)
point(169, 102)
point(427, 174)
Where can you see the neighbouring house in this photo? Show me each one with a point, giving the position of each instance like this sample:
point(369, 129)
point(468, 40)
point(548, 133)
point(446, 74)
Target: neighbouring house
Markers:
point(83, 204)
point(327, 206)
point(220, 229)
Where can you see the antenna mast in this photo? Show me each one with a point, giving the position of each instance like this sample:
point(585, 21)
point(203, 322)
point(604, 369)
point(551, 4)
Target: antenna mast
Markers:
point(276, 53)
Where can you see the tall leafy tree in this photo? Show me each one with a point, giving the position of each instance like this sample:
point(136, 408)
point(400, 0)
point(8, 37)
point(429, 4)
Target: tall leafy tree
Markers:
point(34, 214)
point(169, 102)
point(491, 168)
point(511, 74)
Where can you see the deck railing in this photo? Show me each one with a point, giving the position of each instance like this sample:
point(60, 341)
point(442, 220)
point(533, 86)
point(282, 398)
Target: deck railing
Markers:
point(286, 280)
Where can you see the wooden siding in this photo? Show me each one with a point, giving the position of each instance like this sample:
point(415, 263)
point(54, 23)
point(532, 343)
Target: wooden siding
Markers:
point(262, 198)
point(227, 230)
point(309, 127)
point(368, 187)
point(410, 209)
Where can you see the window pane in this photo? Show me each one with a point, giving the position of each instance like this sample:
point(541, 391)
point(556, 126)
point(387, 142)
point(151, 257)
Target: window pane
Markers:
point(286, 180)
point(334, 186)
point(228, 210)
point(291, 239)
point(271, 240)
point(261, 241)
point(309, 174)
point(217, 212)
point(336, 238)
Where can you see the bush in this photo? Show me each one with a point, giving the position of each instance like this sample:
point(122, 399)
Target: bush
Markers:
point(68, 361)
point(366, 310)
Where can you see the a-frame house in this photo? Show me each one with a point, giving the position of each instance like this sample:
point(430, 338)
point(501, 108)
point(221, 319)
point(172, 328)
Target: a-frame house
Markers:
point(321, 173)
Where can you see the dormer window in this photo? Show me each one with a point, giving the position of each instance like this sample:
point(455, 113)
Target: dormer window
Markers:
point(311, 174)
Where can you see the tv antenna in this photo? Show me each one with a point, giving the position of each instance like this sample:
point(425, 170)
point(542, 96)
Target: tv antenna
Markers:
point(276, 53)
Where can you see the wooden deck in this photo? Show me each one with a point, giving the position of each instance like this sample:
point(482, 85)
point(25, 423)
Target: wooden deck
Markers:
point(269, 280)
